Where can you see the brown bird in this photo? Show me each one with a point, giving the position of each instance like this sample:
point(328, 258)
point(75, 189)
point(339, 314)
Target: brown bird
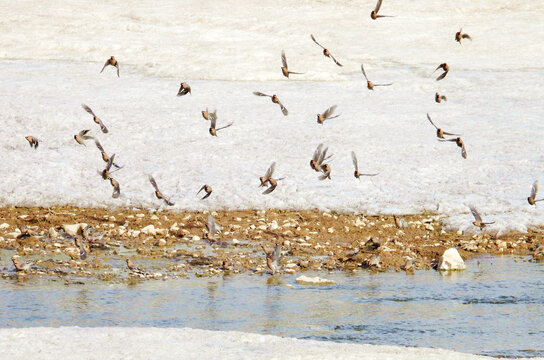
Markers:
point(284, 69)
point(81, 137)
point(116, 188)
point(372, 262)
point(268, 179)
point(113, 62)
point(459, 36)
point(209, 115)
point(459, 143)
point(327, 114)
point(106, 172)
point(326, 52)
point(408, 266)
point(19, 267)
point(369, 84)
point(326, 170)
point(32, 141)
point(82, 251)
point(350, 256)
point(275, 100)
point(207, 189)
point(184, 89)
point(134, 269)
point(105, 156)
point(374, 14)
point(531, 199)
point(213, 229)
point(444, 67)
point(478, 219)
point(158, 193)
point(438, 98)
point(439, 132)
point(213, 131)
point(273, 258)
point(320, 155)
point(357, 174)
point(95, 118)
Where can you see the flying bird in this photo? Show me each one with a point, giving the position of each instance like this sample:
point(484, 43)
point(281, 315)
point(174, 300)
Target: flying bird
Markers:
point(532, 198)
point(116, 188)
point(268, 179)
point(326, 170)
point(275, 100)
point(213, 131)
point(207, 115)
point(158, 193)
point(213, 229)
point(438, 98)
point(106, 172)
point(207, 189)
point(459, 143)
point(326, 51)
point(439, 132)
point(105, 156)
point(285, 69)
point(327, 114)
point(320, 155)
point(273, 258)
point(32, 141)
point(374, 14)
point(369, 84)
point(459, 36)
point(113, 62)
point(95, 118)
point(478, 219)
point(446, 69)
point(357, 174)
point(82, 136)
point(184, 89)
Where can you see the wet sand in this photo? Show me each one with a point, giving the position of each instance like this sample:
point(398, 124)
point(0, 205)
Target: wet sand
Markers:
point(173, 246)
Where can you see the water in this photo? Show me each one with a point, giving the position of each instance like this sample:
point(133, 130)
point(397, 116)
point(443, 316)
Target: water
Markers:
point(494, 308)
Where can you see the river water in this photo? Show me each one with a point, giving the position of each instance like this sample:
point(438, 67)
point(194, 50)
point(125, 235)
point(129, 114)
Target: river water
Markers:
point(495, 307)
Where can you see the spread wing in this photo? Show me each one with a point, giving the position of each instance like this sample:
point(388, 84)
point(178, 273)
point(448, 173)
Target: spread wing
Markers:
point(364, 72)
point(87, 109)
point(283, 109)
point(260, 94)
point(329, 112)
point(270, 170)
point(378, 5)
point(335, 61)
point(475, 214)
point(283, 59)
point(224, 127)
point(431, 121)
point(153, 182)
point(442, 76)
point(98, 145)
point(213, 121)
point(534, 189)
point(354, 159)
point(463, 151)
point(315, 41)
point(117, 66)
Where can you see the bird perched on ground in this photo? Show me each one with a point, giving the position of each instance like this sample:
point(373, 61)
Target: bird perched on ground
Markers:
point(350, 256)
point(158, 193)
point(372, 262)
point(116, 188)
point(20, 267)
point(273, 258)
point(459, 36)
point(320, 155)
point(96, 119)
point(134, 269)
point(113, 62)
point(207, 189)
point(357, 174)
point(446, 69)
point(285, 69)
point(184, 89)
point(213, 131)
point(478, 219)
point(531, 199)
point(213, 229)
point(327, 114)
point(369, 84)
point(374, 14)
point(439, 132)
point(32, 141)
point(275, 100)
point(459, 143)
point(326, 51)
point(438, 98)
point(81, 137)
point(268, 179)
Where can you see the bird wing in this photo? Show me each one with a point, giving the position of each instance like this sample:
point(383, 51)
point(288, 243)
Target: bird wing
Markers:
point(354, 159)
point(463, 151)
point(226, 126)
point(117, 66)
point(442, 76)
point(315, 41)
point(534, 189)
point(317, 152)
point(322, 155)
point(447, 133)
point(431, 121)
point(260, 94)
point(283, 59)
point(277, 253)
point(364, 72)
point(153, 182)
point(466, 36)
point(87, 109)
point(378, 5)
point(106, 64)
point(269, 189)
point(116, 191)
point(98, 145)
point(202, 188)
point(213, 121)
point(329, 112)
point(270, 170)
point(475, 214)
point(102, 126)
point(82, 133)
point(283, 109)
point(335, 61)
point(110, 162)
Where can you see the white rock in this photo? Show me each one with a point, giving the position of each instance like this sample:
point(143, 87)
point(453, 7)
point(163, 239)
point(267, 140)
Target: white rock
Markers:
point(72, 229)
point(53, 233)
point(195, 238)
point(235, 241)
point(273, 225)
point(330, 230)
point(451, 260)
point(305, 280)
point(140, 215)
point(149, 230)
point(4, 226)
point(429, 227)
point(161, 243)
point(154, 217)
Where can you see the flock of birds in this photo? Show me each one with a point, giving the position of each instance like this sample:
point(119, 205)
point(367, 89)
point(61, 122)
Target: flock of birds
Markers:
point(320, 159)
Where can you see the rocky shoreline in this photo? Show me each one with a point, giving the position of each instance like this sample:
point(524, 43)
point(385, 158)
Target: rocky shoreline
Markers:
point(74, 243)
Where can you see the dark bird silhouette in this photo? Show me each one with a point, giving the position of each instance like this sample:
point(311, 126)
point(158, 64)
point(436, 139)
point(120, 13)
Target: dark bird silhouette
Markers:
point(113, 62)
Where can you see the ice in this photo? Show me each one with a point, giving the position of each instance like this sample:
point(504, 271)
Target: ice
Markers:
point(171, 343)
point(53, 54)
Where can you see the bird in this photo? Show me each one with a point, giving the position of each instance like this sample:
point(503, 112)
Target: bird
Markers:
point(32, 141)
point(105, 156)
point(184, 89)
point(374, 14)
point(213, 131)
point(81, 247)
point(439, 132)
point(400, 223)
point(20, 267)
point(372, 262)
point(327, 114)
point(320, 155)
point(357, 174)
point(459, 143)
point(408, 265)
point(478, 219)
point(350, 256)
point(213, 229)
point(275, 100)
point(445, 67)
point(113, 62)
point(209, 115)
point(134, 269)
point(116, 188)
point(81, 137)
point(326, 170)
point(207, 189)
point(326, 51)
point(268, 179)
point(96, 119)
point(273, 258)
point(438, 98)
point(285, 69)
point(106, 172)
point(158, 193)
point(459, 36)
point(369, 84)
point(531, 199)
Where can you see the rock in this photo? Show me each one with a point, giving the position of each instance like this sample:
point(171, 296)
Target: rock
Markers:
point(451, 260)
point(195, 238)
point(305, 280)
point(161, 243)
point(72, 229)
point(4, 226)
point(149, 230)
point(235, 241)
point(154, 217)
point(330, 230)
point(52, 233)
point(429, 227)
point(273, 225)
